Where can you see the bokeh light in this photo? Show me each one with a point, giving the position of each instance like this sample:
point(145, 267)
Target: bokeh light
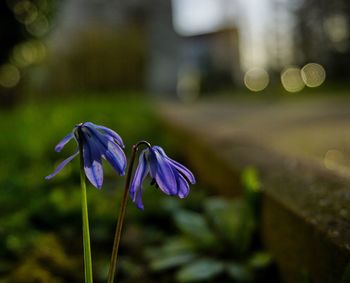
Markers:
point(39, 27)
point(30, 52)
point(25, 12)
point(291, 79)
point(313, 74)
point(9, 75)
point(336, 28)
point(256, 79)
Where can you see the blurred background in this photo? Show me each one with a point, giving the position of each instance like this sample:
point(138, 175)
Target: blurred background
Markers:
point(112, 63)
point(170, 48)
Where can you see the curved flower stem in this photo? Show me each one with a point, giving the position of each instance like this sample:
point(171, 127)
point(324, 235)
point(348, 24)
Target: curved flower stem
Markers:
point(118, 230)
point(86, 233)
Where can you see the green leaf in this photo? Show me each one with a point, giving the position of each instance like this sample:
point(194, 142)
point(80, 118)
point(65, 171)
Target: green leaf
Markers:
point(233, 220)
point(250, 180)
point(260, 260)
point(170, 205)
point(239, 272)
point(171, 261)
point(177, 245)
point(203, 269)
point(172, 246)
point(195, 226)
point(174, 252)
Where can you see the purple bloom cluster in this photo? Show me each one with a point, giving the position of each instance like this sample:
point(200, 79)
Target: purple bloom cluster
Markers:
point(169, 176)
point(97, 142)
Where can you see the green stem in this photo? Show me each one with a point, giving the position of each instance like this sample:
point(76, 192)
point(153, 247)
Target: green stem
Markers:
point(86, 233)
point(118, 230)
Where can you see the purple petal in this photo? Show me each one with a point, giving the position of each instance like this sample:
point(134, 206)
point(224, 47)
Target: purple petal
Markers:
point(136, 185)
point(179, 167)
point(160, 150)
point(116, 157)
point(182, 170)
point(108, 149)
point(63, 142)
point(112, 134)
point(162, 172)
point(183, 187)
point(63, 163)
point(92, 163)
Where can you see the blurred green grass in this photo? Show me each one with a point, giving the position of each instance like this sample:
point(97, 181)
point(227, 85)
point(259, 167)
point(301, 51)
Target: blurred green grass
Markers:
point(40, 223)
point(34, 210)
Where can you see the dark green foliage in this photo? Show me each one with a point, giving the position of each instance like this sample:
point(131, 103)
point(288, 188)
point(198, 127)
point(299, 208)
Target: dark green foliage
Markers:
point(40, 234)
point(200, 238)
point(215, 243)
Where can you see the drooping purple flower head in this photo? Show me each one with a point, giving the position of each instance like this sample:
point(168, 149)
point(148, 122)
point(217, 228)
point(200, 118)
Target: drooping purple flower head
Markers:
point(97, 142)
point(169, 176)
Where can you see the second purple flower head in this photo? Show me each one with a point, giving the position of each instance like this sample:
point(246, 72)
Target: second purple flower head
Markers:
point(169, 176)
point(97, 142)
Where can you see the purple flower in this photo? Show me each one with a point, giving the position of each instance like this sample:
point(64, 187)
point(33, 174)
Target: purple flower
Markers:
point(169, 176)
point(97, 142)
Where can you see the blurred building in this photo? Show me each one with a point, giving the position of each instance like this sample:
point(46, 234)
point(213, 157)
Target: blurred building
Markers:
point(133, 45)
point(99, 45)
point(215, 56)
